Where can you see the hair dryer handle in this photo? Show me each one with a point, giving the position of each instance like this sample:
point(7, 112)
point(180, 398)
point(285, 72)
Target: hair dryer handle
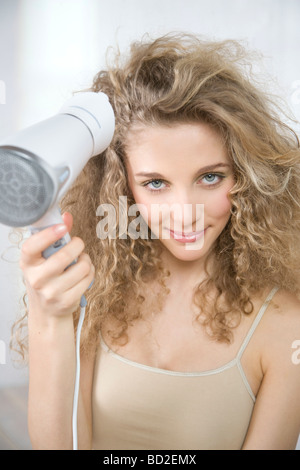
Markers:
point(55, 217)
point(52, 217)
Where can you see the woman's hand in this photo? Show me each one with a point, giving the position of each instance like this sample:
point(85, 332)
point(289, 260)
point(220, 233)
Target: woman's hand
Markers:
point(52, 289)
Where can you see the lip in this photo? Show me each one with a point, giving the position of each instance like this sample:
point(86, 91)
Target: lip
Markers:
point(190, 237)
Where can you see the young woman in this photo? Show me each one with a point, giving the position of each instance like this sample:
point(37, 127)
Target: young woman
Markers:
point(191, 326)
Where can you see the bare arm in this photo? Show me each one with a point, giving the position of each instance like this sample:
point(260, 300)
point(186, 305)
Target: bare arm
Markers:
point(275, 423)
point(53, 295)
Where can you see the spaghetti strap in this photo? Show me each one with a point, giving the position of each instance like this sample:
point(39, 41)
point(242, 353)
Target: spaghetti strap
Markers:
point(256, 322)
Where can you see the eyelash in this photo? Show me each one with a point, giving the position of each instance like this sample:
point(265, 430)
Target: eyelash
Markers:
point(219, 175)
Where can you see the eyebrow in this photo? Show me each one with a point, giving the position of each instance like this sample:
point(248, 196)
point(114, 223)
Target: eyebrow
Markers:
point(202, 170)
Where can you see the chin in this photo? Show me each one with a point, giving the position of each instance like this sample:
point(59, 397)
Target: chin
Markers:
point(185, 252)
point(191, 251)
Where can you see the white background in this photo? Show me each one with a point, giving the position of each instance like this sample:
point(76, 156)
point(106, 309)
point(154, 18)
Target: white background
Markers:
point(49, 48)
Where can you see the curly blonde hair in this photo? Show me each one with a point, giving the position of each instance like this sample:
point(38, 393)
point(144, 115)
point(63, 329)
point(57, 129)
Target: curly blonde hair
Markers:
point(181, 78)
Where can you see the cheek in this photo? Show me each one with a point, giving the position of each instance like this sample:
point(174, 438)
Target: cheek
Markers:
point(141, 200)
point(143, 205)
point(218, 206)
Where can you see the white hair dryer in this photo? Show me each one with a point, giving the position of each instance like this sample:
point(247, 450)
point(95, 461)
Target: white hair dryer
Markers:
point(39, 164)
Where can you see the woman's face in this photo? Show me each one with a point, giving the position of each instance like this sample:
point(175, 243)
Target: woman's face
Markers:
point(180, 177)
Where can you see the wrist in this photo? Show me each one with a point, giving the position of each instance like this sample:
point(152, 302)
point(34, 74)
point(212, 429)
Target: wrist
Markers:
point(43, 321)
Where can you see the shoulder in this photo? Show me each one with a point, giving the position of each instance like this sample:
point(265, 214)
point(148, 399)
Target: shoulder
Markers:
point(275, 422)
point(284, 309)
point(281, 330)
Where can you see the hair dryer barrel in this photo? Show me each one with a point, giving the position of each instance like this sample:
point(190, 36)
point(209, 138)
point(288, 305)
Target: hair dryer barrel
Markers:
point(59, 141)
point(83, 128)
point(96, 112)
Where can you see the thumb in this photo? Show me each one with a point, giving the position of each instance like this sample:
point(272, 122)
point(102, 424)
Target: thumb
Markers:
point(68, 220)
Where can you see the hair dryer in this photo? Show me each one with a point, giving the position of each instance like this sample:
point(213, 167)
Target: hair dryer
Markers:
point(39, 164)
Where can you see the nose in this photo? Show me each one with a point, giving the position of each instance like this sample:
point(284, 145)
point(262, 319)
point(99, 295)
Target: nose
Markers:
point(186, 212)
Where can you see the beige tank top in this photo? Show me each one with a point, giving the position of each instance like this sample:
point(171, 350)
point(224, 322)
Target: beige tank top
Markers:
point(140, 407)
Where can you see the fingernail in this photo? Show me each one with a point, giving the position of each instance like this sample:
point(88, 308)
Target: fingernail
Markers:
point(59, 229)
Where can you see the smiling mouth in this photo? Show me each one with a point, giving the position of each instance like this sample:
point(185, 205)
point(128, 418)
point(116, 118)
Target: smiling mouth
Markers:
point(190, 237)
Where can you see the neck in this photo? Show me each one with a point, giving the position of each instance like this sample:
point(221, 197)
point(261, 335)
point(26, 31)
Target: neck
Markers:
point(184, 273)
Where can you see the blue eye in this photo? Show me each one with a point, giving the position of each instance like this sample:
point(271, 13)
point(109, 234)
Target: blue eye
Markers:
point(154, 185)
point(212, 179)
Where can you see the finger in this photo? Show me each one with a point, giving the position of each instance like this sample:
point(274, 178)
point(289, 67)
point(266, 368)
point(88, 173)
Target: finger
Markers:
point(33, 247)
point(62, 259)
point(82, 286)
point(78, 271)
point(68, 220)
point(69, 298)
point(73, 275)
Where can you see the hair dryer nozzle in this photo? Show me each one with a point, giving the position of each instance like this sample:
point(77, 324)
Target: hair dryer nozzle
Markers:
point(26, 188)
